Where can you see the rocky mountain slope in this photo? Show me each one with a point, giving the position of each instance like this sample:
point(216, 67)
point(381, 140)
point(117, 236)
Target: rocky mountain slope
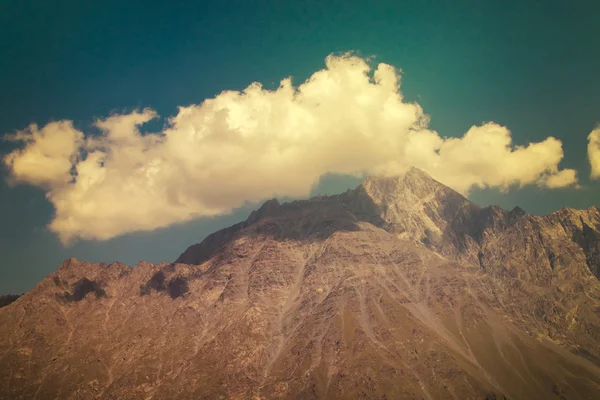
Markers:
point(401, 288)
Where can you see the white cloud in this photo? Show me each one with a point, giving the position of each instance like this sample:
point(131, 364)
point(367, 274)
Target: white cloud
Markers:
point(247, 146)
point(48, 154)
point(562, 178)
point(594, 152)
point(486, 157)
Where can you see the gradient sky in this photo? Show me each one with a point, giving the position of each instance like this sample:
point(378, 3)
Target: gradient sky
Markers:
point(532, 66)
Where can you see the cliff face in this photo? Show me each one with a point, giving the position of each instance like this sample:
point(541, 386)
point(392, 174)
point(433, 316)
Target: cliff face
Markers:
point(418, 208)
point(401, 288)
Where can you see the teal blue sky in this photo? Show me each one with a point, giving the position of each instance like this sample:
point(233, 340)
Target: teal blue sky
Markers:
point(532, 66)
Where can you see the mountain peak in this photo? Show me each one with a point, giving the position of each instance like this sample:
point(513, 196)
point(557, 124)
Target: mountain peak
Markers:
point(518, 211)
point(69, 264)
point(417, 207)
point(269, 208)
point(414, 182)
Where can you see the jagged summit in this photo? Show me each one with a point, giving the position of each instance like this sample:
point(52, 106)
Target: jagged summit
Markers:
point(413, 181)
point(518, 211)
point(269, 208)
point(415, 207)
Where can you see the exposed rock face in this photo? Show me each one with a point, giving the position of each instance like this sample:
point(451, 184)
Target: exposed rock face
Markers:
point(420, 209)
point(400, 288)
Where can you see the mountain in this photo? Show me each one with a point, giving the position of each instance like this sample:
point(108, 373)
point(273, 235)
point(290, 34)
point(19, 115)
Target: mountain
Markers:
point(400, 288)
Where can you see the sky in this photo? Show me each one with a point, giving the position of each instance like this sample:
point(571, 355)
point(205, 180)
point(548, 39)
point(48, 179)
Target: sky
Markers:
point(132, 130)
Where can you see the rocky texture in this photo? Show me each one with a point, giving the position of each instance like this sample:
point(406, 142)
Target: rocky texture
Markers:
point(418, 208)
point(400, 288)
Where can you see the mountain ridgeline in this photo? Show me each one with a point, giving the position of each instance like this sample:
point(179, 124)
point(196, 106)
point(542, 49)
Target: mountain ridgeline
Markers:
point(418, 208)
point(400, 288)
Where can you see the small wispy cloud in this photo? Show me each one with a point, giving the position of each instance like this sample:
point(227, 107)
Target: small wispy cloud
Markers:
point(593, 150)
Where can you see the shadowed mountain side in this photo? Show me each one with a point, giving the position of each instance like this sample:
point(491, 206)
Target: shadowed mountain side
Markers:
point(302, 220)
point(8, 298)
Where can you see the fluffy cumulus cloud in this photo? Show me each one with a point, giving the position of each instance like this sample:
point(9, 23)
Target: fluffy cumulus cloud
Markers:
point(594, 152)
point(247, 146)
point(48, 155)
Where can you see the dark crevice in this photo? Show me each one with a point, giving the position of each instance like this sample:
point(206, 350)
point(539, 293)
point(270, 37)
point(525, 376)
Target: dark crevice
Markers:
point(552, 259)
point(176, 287)
point(82, 288)
point(157, 282)
point(480, 259)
